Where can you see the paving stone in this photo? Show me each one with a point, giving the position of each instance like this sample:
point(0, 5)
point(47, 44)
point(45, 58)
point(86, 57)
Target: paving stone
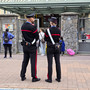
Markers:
point(75, 74)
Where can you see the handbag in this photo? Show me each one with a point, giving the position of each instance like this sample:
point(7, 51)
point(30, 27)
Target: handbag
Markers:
point(57, 45)
point(42, 40)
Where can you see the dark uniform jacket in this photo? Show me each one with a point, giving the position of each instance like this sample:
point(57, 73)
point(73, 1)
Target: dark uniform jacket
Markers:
point(55, 32)
point(29, 32)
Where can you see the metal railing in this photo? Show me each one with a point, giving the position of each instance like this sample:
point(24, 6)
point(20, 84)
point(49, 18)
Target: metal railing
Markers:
point(41, 1)
point(36, 1)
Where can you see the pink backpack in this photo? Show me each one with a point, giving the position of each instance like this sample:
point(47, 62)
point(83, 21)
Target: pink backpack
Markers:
point(70, 52)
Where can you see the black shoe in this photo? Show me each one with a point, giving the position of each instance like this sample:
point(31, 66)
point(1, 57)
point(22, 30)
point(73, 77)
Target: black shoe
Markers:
point(47, 80)
point(58, 80)
point(35, 79)
point(22, 79)
point(10, 56)
point(5, 57)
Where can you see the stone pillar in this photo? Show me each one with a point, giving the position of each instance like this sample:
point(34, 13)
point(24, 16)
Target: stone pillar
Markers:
point(69, 26)
point(9, 19)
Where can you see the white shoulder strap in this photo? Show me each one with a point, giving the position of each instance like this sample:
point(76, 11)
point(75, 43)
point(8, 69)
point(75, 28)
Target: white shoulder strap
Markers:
point(50, 36)
point(33, 41)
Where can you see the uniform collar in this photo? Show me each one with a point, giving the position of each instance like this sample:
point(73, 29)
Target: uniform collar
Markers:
point(28, 22)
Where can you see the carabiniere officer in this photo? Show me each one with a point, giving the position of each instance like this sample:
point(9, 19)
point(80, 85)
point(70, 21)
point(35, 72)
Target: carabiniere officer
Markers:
point(52, 52)
point(30, 36)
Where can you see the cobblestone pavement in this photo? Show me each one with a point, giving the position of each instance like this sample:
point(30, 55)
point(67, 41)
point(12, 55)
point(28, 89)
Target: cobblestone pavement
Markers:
point(75, 73)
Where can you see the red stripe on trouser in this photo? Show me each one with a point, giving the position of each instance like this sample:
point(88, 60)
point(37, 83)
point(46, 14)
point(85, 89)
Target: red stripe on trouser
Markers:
point(36, 65)
point(47, 76)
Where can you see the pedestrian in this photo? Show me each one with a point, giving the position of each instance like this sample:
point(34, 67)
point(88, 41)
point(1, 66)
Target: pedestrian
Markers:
point(30, 36)
point(83, 34)
point(42, 42)
point(7, 42)
point(52, 50)
point(62, 49)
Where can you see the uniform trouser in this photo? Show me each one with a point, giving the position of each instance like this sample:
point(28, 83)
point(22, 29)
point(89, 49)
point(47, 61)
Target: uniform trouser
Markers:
point(50, 53)
point(8, 46)
point(29, 54)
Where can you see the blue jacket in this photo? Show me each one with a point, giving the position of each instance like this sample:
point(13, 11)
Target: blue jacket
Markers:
point(62, 46)
point(10, 36)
